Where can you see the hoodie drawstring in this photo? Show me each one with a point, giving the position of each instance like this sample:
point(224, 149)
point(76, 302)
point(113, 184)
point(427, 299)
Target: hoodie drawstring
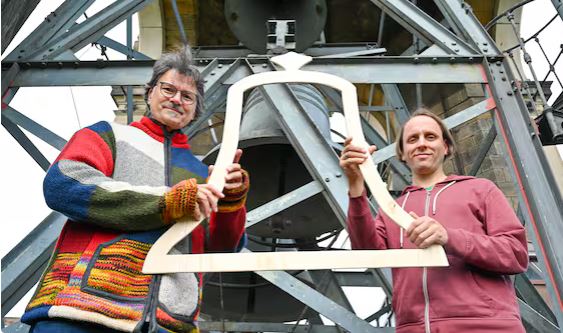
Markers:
point(437, 194)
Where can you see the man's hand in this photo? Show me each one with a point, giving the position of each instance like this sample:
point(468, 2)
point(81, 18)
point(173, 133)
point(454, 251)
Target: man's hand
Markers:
point(233, 179)
point(207, 198)
point(425, 231)
point(350, 159)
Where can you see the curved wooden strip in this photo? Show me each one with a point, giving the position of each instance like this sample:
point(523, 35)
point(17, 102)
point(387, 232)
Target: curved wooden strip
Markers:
point(158, 260)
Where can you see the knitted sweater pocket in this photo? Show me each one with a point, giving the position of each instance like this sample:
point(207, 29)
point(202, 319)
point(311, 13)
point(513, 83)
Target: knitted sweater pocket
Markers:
point(115, 271)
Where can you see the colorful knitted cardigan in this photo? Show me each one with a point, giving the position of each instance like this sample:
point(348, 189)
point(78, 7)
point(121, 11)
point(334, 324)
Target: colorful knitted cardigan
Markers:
point(110, 180)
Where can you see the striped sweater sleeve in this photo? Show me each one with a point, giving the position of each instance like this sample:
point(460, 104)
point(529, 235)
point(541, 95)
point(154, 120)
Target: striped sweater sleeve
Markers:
point(79, 185)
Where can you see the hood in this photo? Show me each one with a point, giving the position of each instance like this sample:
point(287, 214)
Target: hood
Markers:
point(447, 180)
point(157, 131)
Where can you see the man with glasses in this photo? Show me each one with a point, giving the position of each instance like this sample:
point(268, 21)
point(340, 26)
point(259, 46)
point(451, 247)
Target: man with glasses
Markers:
point(122, 187)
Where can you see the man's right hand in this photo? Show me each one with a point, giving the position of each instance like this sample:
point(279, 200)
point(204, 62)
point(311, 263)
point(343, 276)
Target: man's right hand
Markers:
point(207, 198)
point(350, 159)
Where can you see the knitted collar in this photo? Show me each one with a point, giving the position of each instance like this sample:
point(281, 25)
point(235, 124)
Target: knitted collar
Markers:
point(157, 131)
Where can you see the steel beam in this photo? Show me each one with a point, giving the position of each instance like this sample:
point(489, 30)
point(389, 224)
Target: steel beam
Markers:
point(394, 98)
point(485, 146)
point(91, 30)
point(314, 150)
point(356, 53)
point(355, 70)
point(541, 198)
point(14, 14)
point(314, 51)
point(55, 24)
point(34, 128)
point(558, 7)
point(26, 144)
point(452, 121)
point(533, 321)
point(355, 279)
point(461, 16)
point(284, 202)
point(116, 46)
point(423, 26)
point(8, 77)
point(529, 294)
point(316, 301)
point(179, 22)
point(326, 282)
point(24, 264)
point(228, 326)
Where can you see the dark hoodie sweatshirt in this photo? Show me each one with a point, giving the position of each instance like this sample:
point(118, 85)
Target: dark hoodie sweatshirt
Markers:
point(486, 243)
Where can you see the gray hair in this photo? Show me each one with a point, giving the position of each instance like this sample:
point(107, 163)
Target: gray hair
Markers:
point(181, 61)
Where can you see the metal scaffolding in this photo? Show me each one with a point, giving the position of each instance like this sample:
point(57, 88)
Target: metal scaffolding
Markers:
point(466, 55)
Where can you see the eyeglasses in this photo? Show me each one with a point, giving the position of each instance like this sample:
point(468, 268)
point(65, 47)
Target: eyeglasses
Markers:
point(169, 90)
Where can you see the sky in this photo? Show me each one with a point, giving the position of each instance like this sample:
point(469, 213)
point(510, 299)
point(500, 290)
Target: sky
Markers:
point(64, 110)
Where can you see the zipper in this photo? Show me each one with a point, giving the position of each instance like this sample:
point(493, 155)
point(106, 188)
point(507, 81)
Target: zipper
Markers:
point(151, 318)
point(150, 314)
point(425, 276)
point(167, 157)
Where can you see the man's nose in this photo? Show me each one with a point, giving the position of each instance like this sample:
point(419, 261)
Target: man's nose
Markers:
point(421, 142)
point(177, 98)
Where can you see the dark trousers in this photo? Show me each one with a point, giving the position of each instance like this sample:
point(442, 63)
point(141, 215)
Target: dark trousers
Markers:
point(68, 326)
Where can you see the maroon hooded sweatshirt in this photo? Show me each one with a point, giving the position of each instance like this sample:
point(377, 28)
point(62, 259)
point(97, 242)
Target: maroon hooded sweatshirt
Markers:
point(486, 243)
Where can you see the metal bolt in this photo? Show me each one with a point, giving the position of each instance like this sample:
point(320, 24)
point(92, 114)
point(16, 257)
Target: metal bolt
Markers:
point(485, 50)
point(457, 50)
point(454, 43)
point(338, 175)
point(264, 65)
point(220, 65)
point(533, 134)
point(509, 93)
point(452, 59)
point(498, 63)
point(501, 71)
point(503, 78)
point(416, 60)
point(327, 179)
point(434, 60)
point(212, 73)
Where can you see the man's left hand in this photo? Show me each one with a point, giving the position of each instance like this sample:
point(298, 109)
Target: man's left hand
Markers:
point(234, 177)
point(425, 231)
